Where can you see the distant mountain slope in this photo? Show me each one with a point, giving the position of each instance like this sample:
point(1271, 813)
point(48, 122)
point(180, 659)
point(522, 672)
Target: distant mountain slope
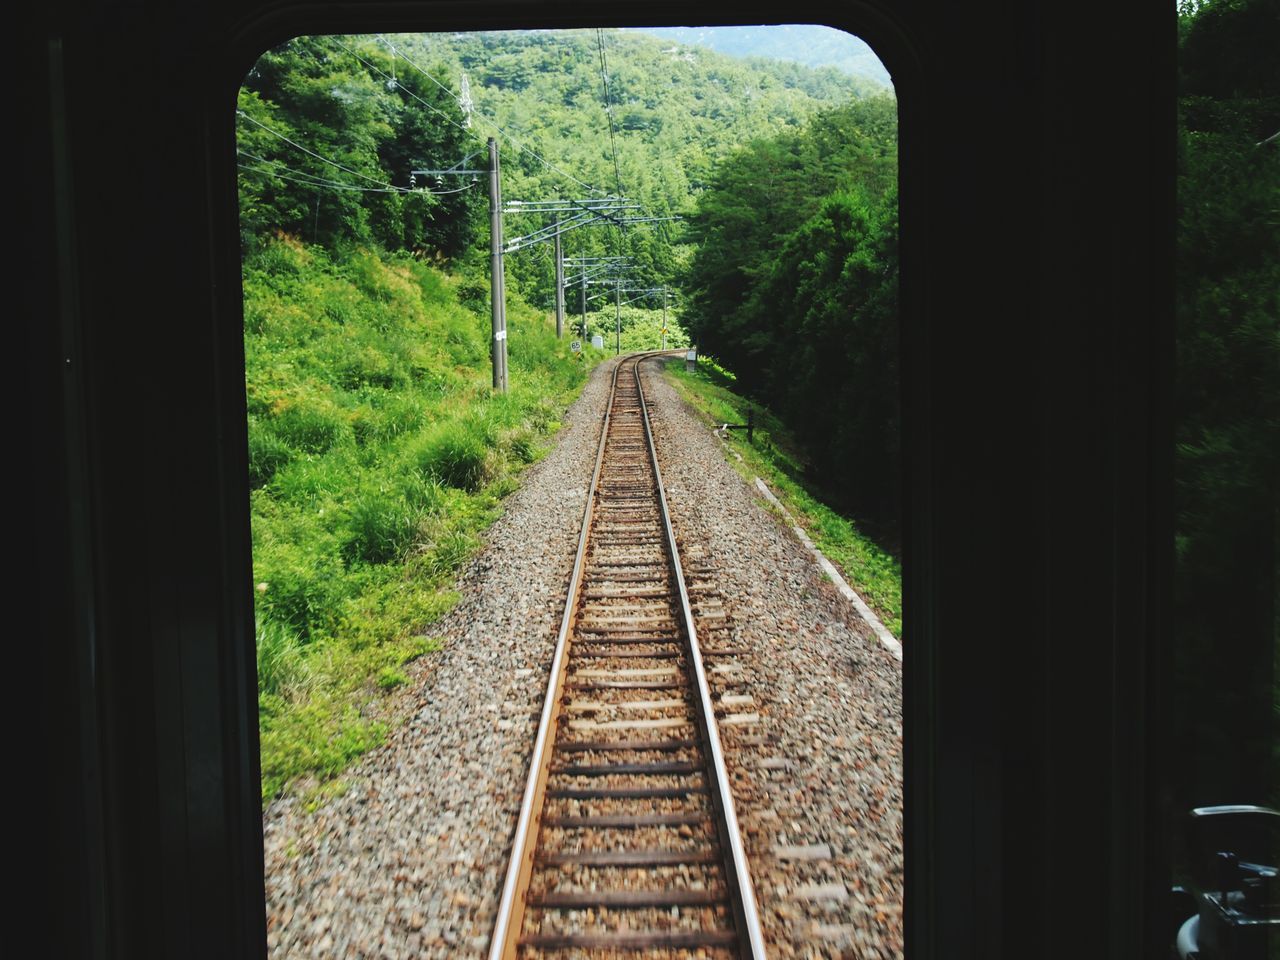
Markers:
point(811, 45)
point(676, 115)
point(692, 106)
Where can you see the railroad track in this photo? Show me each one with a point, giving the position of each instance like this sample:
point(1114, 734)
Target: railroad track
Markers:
point(627, 841)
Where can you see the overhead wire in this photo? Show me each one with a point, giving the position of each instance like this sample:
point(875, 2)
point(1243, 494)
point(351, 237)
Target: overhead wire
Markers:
point(512, 140)
point(313, 180)
point(334, 185)
point(400, 86)
point(613, 142)
point(608, 108)
point(277, 175)
point(309, 152)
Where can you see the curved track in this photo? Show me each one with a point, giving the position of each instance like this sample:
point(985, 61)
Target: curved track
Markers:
point(627, 840)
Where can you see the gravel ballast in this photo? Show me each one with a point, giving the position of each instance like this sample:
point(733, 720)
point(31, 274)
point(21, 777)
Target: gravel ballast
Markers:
point(818, 777)
point(409, 860)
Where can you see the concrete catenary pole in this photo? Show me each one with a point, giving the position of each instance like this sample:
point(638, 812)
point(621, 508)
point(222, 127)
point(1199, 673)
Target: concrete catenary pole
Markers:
point(559, 288)
point(664, 316)
point(497, 286)
point(617, 317)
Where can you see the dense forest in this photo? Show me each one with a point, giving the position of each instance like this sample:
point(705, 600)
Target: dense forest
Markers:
point(793, 285)
point(1227, 704)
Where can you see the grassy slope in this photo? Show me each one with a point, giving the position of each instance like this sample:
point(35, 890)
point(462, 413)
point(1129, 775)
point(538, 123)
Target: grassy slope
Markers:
point(378, 454)
point(874, 573)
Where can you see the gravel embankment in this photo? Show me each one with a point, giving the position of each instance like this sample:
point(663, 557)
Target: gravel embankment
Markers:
point(409, 861)
point(818, 778)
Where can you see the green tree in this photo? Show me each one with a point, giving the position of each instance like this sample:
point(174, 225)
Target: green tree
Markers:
point(1228, 399)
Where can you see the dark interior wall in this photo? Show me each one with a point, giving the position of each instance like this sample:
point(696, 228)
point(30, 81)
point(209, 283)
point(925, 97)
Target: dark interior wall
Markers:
point(1037, 192)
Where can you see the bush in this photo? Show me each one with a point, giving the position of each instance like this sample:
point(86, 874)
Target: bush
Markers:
point(378, 454)
point(309, 427)
point(455, 454)
point(523, 444)
point(380, 528)
point(304, 589)
point(267, 454)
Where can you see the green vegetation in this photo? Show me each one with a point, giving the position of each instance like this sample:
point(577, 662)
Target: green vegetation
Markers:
point(377, 451)
point(773, 456)
point(794, 288)
point(377, 456)
point(812, 45)
point(1227, 714)
point(641, 329)
point(679, 115)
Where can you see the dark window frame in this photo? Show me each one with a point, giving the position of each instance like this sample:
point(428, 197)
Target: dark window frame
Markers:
point(1032, 825)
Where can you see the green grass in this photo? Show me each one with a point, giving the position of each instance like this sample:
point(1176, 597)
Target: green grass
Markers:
point(378, 455)
point(873, 572)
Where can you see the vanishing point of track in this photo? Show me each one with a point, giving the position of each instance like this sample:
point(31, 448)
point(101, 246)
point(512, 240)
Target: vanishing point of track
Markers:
point(627, 840)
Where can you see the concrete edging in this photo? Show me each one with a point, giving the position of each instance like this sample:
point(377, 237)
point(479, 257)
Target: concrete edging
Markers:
point(887, 639)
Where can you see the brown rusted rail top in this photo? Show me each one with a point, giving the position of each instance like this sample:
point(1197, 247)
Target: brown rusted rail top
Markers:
point(627, 839)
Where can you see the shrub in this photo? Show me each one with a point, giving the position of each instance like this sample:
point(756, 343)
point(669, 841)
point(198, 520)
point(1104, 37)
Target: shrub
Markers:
point(304, 590)
point(267, 454)
point(454, 454)
point(309, 427)
point(448, 551)
point(380, 528)
point(524, 445)
point(307, 480)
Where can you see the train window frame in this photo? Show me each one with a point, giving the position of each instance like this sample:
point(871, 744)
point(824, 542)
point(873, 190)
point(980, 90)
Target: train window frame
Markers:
point(886, 38)
point(176, 854)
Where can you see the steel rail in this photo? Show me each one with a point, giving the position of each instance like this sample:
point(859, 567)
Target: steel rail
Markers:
point(745, 902)
point(511, 907)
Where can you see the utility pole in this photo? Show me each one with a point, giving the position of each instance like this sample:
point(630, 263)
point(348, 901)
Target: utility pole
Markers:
point(617, 317)
point(497, 286)
point(559, 288)
point(584, 305)
point(664, 316)
point(497, 279)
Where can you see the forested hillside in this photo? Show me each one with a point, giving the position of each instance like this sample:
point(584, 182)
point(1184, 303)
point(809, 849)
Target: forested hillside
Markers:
point(809, 44)
point(793, 286)
point(367, 104)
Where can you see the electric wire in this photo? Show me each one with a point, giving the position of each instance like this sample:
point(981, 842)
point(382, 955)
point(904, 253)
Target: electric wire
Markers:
point(400, 86)
point(333, 185)
point(309, 152)
point(313, 180)
point(512, 140)
point(608, 108)
point(613, 143)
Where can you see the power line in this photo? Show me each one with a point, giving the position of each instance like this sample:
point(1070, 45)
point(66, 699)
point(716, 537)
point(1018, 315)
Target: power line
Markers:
point(475, 113)
point(608, 108)
point(332, 163)
point(277, 175)
point(313, 180)
point(401, 86)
